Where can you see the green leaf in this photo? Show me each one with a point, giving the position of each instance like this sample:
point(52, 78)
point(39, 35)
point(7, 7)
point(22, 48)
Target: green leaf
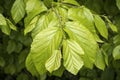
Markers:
point(43, 45)
point(2, 62)
point(105, 56)
point(116, 52)
point(72, 52)
point(45, 21)
point(31, 25)
point(74, 2)
point(113, 27)
point(30, 65)
point(6, 29)
point(22, 56)
point(11, 25)
point(22, 76)
point(118, 3)
point(99, 62)
point(18, 10)
point(85, 39)
point(33, 8)
point(54, 62)
point(3, 25)
point(10, 69)
point(11, 46)
point(2, 20)
point(83, 16)
point(100, 25)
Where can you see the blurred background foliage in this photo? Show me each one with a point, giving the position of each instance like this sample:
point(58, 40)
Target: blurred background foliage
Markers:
point(15, 47)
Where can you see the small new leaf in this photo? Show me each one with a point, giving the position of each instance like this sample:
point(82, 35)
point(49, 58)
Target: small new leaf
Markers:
point(72, 56)
point(18, 10)
point(31, 25)
point(54, 62)
point(100, 25)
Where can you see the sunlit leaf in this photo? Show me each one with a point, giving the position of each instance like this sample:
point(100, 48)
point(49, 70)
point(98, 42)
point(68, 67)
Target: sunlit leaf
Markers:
point(45, 21)
point(11, 25)
point(30, 65)
point(31, 25)
point(2, 20)
point(72, 52)
point(83, 16)
point(18, 10)
point(85, 39)
point(54, 62)
point(100, 25)
point(43, 46)
point(33, 8)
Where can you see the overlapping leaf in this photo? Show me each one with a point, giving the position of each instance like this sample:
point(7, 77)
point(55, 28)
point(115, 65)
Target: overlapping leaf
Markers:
point(54, 62)
point(85, 39)
point(99, 62)
point(3, 25)
point(45, 21)
point(43, 45)
point(33, 8)
point(72, 52)
point(31, 25)
point(83, 15)
point(18, 10)
point(30, 65)
point(101, 27)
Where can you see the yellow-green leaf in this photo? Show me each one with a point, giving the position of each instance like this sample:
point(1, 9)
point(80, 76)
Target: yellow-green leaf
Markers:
point(101, 26)
point(54, 62)
point(18, 10)
point(72, 53)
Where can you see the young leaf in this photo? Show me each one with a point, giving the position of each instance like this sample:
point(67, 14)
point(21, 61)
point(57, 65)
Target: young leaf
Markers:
point(31, 25)
point(33, 8)
point(83, 15)
point(85, 39)
point(116, 52)
point(30, 65)
point(45, 21)
point(72, 52)
point(18, 10)
point(100, 25)
point(6, 29)
point(54, 62)
point(111, 25)
point(11, 25)
point(43, 45)
point(2, 20)
point(99, 62)
point(3, 25)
